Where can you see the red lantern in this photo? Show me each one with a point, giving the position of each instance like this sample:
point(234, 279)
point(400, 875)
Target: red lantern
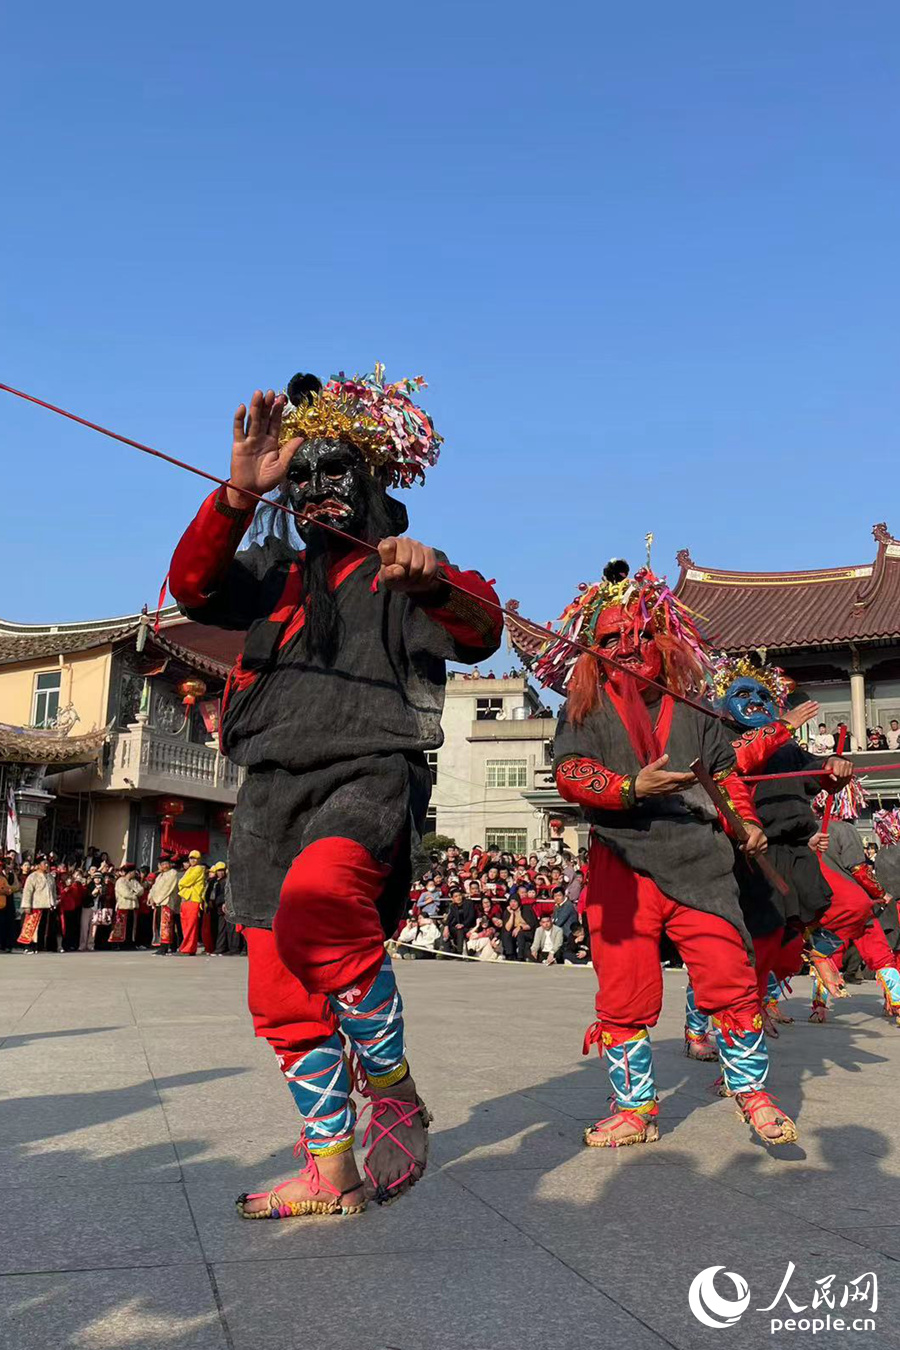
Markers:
point(222, 820)
point(190, 690)
point(168, 808)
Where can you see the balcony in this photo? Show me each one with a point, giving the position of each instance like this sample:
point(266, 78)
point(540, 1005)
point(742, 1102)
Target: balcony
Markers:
point(144, 760)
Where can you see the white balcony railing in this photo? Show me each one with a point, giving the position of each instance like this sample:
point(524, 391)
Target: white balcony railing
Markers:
point(147, 760)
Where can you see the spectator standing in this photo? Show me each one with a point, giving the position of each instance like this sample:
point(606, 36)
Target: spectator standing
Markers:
point(70, 891)
point(823, 741)
point(39, 924)
point(10, 887)
point(893, 734)
point(128, 892)
point(192, 890)
point(165, 901)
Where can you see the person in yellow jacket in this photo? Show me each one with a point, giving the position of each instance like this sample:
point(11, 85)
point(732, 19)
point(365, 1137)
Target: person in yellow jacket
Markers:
point(191, 889)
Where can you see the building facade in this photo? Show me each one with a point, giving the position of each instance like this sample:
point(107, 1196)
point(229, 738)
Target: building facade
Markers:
point(110, 735)
point(835, 631)
point(493, 781)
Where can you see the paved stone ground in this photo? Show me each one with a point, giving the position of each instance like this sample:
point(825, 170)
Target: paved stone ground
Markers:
point(136, 1104)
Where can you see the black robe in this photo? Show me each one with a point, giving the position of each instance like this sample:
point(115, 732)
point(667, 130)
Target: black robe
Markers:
point(678, 841)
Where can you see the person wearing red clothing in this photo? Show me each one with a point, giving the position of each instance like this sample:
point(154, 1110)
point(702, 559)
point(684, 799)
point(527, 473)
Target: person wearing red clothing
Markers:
point(70, 891)
point(332, 707)
point(660, 860)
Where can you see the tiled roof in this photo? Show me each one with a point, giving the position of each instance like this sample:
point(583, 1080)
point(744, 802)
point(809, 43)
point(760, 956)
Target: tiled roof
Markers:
point(27, 745)
point(36, 644)
point(797, 609)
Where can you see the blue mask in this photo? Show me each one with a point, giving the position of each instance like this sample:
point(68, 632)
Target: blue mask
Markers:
point(749, 703)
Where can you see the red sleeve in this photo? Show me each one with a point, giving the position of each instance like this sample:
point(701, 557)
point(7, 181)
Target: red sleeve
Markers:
point(756, 746)
point(206, 549)
point(863, 877)
point(741, 799)
point(591, 785)
point(470, 619)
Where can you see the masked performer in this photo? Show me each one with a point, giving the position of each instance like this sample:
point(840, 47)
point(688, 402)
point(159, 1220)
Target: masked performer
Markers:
point(752, 697)
point(857, 894)
point(660, 861)
point(331, 708)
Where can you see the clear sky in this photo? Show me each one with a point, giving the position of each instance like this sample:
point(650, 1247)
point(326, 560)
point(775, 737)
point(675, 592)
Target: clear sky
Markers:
point(646, 256)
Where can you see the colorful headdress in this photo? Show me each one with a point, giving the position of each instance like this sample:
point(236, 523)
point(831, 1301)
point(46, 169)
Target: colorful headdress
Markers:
point(726, 669)
point(645, 600)
point(886, 825)
point(392, 433)
point(849, 803)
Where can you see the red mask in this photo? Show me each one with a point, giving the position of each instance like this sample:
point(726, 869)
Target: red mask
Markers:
point(635, 648)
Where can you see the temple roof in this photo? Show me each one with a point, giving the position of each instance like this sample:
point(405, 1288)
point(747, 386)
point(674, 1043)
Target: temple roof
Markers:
point(822, 607)
point(209, 650)
point(29, 745)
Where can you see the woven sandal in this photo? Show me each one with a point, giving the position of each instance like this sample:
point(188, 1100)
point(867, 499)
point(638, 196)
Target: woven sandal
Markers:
point(749, 1105)
point(300, 1209)
point(645, 1127)
point(379, 1128)
point(699, 1047)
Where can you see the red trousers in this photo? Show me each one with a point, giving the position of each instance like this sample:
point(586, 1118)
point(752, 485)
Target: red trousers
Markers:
point(190, 926)
point(627, 916)
point(328, 929)
point(775, 956)
point(291, 1020)
point(849, 916)
point(327, 936)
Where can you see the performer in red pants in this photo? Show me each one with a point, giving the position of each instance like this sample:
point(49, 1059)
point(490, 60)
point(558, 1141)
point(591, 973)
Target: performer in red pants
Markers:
point(331, 707)
point(660, 860)
point(850, 916)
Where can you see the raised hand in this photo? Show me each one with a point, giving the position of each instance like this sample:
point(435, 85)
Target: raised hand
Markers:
point(803, 713)
point(408, 566)
point(655, 780)
point(257, 463)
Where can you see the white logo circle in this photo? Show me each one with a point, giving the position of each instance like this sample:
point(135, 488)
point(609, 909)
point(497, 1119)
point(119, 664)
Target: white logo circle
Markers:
point(709, 1307)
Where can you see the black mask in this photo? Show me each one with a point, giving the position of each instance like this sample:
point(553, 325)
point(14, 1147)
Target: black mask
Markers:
point(325, 479)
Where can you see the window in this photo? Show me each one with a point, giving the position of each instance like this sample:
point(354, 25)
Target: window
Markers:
point(488, 709)
point(46, 699)
point(431, 761)
point(508, 841)
point(506, 773)
point(430, 825)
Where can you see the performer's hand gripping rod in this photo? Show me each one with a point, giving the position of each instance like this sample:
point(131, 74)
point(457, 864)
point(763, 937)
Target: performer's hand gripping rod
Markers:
point(719, 799)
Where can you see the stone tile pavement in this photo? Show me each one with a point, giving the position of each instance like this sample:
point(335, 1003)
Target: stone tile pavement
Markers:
point(135, 1104)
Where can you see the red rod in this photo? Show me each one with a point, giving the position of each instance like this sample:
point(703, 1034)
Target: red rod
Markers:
point(829, 805)
point(862, 771)
point(544, 630)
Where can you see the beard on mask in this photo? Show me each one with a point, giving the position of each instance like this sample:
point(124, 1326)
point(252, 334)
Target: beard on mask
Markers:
point(379, 516)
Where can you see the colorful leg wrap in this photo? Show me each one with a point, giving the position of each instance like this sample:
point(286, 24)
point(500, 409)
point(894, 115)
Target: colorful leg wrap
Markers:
point(888, 978)
point(774, 990)
point(630, 1067)
point(372, 1021)
point(743, 1053)
point(825, 943)
point(820, 997)
point(696, 1023)
point(320, 1084)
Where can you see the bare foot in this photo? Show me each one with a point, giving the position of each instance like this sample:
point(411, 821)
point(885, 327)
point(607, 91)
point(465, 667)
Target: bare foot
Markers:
point(397, 1136)
point(829, 975)
point(621, 1129)
point(773, 1007)
point(769, 1026)
point(304, 1194)
point(765, 1118)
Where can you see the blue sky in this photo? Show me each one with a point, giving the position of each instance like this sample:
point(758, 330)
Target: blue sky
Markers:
point(646, 257)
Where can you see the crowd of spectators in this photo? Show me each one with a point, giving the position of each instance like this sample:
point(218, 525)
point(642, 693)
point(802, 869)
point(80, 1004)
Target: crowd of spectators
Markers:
point(86, 904)
point(493, 906)
point(825, 742)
